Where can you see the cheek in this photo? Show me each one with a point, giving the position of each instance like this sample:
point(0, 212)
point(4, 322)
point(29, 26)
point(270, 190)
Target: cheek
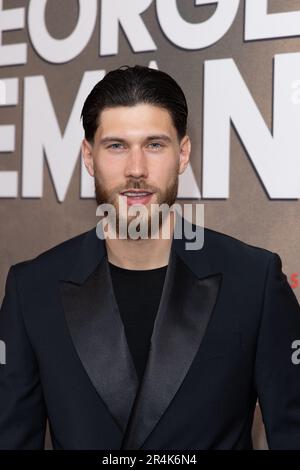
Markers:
point(164, 170)
point(108, 169)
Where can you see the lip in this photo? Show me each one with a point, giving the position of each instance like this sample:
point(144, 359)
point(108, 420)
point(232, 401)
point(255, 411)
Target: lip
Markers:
point(137, 199)
point(136, 191)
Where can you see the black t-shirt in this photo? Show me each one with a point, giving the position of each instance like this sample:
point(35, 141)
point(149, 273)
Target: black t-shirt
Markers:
point(138, 294)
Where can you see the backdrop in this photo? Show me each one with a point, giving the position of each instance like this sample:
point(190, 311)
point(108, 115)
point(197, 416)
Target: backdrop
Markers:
point(238, 62)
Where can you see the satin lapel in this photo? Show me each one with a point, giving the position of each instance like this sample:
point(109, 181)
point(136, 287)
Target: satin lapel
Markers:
point(99, 338)
point(186, 306)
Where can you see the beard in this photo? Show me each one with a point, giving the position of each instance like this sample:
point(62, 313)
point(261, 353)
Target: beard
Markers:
point(151, 218)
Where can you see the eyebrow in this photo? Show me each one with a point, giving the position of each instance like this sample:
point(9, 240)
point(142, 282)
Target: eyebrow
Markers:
point(112, 138)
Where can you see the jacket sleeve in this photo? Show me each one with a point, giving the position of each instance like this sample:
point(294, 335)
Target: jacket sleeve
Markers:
point(22, 408)
point(277, 373)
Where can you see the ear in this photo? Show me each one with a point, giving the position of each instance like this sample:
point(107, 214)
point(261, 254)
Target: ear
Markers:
point(87, 155)
point(185, 151)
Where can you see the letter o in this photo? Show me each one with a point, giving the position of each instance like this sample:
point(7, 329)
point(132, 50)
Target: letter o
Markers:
point(58, 51)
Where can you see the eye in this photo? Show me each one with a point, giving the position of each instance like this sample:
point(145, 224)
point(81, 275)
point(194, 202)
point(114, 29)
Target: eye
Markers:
point(115, 146)
point(155, 145)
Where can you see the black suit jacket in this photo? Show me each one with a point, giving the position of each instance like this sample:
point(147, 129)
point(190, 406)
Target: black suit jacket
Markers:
point(222, 337)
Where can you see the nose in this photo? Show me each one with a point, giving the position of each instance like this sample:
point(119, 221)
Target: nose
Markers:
point(136, 164)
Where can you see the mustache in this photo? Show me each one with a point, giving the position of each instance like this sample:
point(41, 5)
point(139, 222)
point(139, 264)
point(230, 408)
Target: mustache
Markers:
point(139, 185)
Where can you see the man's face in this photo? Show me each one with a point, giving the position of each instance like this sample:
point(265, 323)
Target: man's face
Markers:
point(136, 148)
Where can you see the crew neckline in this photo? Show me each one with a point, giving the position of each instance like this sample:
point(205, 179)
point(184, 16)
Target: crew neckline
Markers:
point(136, 271)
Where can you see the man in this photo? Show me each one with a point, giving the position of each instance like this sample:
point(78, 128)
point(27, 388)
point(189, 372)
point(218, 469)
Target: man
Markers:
point(139, 343)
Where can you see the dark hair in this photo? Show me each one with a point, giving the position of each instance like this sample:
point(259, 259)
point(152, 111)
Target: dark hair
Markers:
point(128, 86)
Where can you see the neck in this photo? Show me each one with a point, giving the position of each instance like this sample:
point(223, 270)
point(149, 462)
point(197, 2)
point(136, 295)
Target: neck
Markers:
point(142, 254)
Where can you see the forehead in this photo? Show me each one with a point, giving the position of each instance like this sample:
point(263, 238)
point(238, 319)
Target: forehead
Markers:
point(139, 119)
